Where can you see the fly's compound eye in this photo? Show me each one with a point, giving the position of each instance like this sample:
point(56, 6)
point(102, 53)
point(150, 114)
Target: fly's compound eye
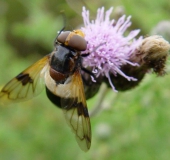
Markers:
point(72, 40)
point(78, 43)
point(63, 36)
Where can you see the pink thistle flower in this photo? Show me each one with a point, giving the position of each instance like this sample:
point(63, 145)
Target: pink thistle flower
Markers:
point(109, 48)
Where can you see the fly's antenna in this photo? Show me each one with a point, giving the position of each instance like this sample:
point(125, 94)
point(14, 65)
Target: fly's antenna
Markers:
point(64, 22)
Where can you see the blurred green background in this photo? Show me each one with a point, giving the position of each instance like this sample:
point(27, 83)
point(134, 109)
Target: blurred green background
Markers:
point(136, 125)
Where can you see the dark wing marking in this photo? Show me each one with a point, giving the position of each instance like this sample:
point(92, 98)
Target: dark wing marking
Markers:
point(25, 85)
point(75, 110)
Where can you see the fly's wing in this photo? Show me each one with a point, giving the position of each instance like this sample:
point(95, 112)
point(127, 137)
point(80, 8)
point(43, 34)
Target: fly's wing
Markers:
point(75, 110)
point(25, 85)
point(77, 5)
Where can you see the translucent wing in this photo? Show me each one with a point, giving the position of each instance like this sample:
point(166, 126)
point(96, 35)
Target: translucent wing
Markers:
point(25, 85)
point(75, 110)
point(77, 5)
point(73, 103)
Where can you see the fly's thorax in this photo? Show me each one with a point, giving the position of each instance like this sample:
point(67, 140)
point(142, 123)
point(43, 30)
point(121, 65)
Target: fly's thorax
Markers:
point(63, 62)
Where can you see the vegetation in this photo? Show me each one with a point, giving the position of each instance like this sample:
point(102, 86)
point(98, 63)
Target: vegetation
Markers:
point(136, 123)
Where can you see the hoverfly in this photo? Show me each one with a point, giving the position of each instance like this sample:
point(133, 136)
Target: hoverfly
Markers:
point(60, 71)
